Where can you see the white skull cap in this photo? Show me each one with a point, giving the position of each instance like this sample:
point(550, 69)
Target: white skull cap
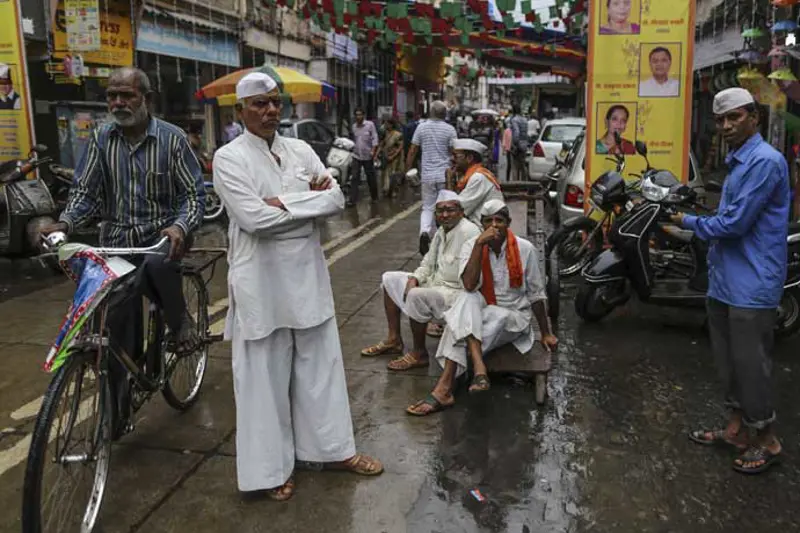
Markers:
point(254, 84)
point(731, 99)
point(471, 145)
point(492, 207)
point(446, 195)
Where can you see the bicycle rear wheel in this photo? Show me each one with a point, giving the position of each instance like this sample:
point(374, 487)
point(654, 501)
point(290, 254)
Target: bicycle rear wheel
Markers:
point(68, 461)
point(185, 373)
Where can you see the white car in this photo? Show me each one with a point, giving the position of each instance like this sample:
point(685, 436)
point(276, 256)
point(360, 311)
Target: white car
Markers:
point(551, 141)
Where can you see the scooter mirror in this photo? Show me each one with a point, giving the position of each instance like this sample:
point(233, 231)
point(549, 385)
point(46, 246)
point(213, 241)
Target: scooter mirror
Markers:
point(566, 146)
point(641, 148)
point(39, 148)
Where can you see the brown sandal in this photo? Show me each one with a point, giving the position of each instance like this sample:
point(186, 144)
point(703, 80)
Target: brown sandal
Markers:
point(407, 362)
point(382, 349)
point(360, 464)
point(282, 493)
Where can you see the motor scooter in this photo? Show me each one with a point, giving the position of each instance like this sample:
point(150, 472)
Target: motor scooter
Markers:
point(674, 273)
point(26, 205)
point(340, 161)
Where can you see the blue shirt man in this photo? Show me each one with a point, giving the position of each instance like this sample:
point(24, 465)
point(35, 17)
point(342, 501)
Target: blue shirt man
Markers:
point(747, 268)
point(747, 254)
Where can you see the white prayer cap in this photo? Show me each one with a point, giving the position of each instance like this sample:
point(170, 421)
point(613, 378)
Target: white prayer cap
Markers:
point(254, 84)
point(446, 195)
point(731, 99)
point(5, 72)
point(492, 207)
point(471, 145)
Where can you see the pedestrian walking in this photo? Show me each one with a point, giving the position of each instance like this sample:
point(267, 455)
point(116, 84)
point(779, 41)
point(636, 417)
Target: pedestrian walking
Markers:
point(434, 137)
point(747, 267)
point(366, 138)
point(520, 143)
point(288, 376)
point(392, 152)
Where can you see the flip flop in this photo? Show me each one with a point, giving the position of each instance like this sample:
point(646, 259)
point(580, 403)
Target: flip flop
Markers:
point(480, 383)
point(755, 454)
point(358, 464)
point(718, 438)
point(382, 349)
point(407, 362)
point(436, 406)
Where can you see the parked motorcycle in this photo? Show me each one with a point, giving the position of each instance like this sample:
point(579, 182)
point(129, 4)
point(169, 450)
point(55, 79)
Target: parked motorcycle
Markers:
point(340, 161)
point(579, 240)
point(26, 205)
point(214, 208)
point(676, 275)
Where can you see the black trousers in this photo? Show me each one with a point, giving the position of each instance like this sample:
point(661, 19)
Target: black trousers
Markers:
point(355, 182)
point(161, 282)
point(741, 340)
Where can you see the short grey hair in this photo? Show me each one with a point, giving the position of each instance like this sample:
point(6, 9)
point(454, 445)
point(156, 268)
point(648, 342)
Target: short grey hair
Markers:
point(142, 80)
point(439, 109)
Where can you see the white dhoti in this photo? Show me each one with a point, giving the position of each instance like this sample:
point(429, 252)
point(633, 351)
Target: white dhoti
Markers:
point(302, 411)
point(423, 304)
point(493, 325)
point(427, 220)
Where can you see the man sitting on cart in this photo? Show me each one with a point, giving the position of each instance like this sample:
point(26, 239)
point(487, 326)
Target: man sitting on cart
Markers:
point(477, 185)
point(504, 290)
point(139, 175)
point(425, 294)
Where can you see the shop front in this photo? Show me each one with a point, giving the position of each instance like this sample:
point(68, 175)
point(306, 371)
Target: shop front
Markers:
point(181, 57)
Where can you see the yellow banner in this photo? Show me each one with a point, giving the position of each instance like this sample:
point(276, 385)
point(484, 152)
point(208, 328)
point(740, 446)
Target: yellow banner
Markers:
point(16, 133)
point(639, 84)
point(116, 36)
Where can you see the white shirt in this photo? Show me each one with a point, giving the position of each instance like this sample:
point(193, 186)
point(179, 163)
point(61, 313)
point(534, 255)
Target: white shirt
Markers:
point(517, 298)
point(533, 129)
point(440, 267)
point(277, 275)
point(478, 191)
point(652, 88)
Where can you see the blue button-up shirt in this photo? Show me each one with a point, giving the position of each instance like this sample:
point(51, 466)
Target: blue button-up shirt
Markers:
point(137, 190)
point(748, 252)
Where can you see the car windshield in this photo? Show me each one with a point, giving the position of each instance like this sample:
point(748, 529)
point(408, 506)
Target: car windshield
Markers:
point(286, 130)
point(558, 133)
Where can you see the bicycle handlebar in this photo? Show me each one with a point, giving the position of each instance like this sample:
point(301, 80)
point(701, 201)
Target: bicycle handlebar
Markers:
point(147, 250)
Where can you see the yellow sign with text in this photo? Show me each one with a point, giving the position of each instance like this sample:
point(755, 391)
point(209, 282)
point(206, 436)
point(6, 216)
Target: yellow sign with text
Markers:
point(639, 85)
point(116, 36)
point(16, 133)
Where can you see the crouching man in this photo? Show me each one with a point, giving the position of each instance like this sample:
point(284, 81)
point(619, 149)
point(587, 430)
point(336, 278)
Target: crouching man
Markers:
point(430, 290)
point(504, 290)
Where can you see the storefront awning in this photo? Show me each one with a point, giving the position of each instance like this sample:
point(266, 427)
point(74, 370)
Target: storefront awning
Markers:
point(189, 19)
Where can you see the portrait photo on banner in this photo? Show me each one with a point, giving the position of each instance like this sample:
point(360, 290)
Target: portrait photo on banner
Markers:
point(660, 70)
point(10, 98)
point(616, 118)
point(620, 17)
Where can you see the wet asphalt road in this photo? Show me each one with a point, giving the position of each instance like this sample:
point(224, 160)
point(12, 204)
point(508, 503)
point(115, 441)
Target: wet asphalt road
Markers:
point(607, 453)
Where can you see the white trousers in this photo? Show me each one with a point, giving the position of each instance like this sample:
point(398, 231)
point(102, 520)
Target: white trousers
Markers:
point(493, 325)
point(423, 304)
point(291, 402)
point(427, 221)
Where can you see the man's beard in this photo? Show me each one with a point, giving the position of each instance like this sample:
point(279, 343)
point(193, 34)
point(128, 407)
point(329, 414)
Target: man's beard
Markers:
point(127, 119)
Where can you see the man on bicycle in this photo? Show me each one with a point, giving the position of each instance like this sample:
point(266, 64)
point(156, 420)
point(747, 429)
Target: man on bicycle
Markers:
point(140, 176)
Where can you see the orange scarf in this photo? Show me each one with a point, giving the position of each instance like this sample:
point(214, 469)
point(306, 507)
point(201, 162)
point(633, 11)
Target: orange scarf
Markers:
point(462, 183)
point(514, 263)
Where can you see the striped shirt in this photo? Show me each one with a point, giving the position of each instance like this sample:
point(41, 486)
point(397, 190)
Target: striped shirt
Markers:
point(434, 138)
point(138, 190)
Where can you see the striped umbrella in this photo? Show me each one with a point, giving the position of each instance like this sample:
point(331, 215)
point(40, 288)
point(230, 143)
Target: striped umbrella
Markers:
point(293, 84)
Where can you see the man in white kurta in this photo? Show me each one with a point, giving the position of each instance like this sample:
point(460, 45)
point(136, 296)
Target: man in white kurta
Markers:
point(289, 382)
point(478, 185)
point(489, 315)
point(426, 293)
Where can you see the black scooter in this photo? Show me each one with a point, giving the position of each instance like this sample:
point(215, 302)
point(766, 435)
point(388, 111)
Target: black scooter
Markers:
point(675, 272)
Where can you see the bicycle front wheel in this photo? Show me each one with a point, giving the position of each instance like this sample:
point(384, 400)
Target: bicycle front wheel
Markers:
point(185, 372)
point(67, 468)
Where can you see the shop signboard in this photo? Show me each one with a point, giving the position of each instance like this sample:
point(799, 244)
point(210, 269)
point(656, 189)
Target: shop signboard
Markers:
point(639, 84)
point(179, 41)
point(116, 35)
point(83, 25)
point(16, 133)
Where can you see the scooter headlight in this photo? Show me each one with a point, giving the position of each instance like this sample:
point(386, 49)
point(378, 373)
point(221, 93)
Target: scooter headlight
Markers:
point(653, 192)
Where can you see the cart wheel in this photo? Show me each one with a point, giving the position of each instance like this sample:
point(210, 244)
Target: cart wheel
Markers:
point(541, 388)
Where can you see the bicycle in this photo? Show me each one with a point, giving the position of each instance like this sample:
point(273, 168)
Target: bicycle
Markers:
point(78, 403)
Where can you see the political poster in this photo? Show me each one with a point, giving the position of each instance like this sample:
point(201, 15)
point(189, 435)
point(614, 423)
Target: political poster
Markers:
point(639, 85)
point(16, 132)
